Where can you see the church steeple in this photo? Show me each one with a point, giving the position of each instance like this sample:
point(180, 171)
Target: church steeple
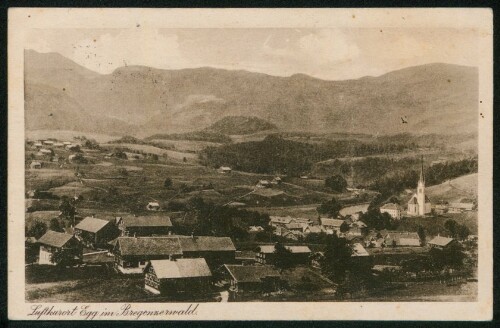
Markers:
point(422, 177)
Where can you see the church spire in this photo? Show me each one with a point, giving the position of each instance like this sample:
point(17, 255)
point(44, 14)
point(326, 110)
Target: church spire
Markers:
point(422, 177)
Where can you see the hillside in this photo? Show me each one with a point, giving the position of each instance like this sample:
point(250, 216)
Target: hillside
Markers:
point(434, 98)
point(455, 189)
point(240, 125)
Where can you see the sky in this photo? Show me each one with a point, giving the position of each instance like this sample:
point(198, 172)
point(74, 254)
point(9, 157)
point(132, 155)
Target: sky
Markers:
point(329, 54)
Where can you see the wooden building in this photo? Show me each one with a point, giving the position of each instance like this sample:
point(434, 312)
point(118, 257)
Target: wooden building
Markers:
point(141, 226)
point(300, 254)
point(95, 232)
point(215, 250)
point(132, 254)
point(170, 277)
point(53, 242)
point(251, 278)
point(441, 242)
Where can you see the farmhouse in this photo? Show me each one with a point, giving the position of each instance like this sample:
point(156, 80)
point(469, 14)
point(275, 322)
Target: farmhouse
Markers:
point(35, 165)
point(53, 242)
point(462, 206)
point(48, 142)
point(139, 226)
point(314, 229)
point(279, 221)
point(215, 250)
point(392, 209)
point(95, 232)
point(132, 254)
point(331, 226)
point(153, 206)
point(253, 278)
point(402, 239)
point(45, 151)
point(266, 254)
point(440, 242)
point(174, 276)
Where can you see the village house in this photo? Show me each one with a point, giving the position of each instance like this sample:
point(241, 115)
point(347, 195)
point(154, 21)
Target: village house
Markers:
point(35, 165)
point(45, 151)
point(53, 242)
point(292, 235)
point(255, 229)
point(175, 276)
point(58, 144)
point(132, 254)
point(224, 170)
point(401, 239)
point(215, 250)
point(38, 145)
point(140, 226)
point(276, 181)
point(245, 257)
point(253, 278)
point(48, 142)
point(279, 221)
point(95, 232)
point(462, 206)
point(331, 226)
point(356, 227)
point(440, 242)
point(394, 210)
point(266, 254)
point(314, 230)
point(153, 206)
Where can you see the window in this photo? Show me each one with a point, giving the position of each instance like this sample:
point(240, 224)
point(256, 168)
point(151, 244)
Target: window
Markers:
point(142, 263)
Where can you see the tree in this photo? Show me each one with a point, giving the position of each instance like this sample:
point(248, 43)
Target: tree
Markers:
point(282, 257)
point(463, 232)
point(452, 227)
point(68, 209)
point(421, 234)
point(451, 257)
point(168, 183)
point(37, 229)
point(336, 183)
point(374, 219)
point(337, 259)
point(55, 225)
point(344, 227)
point(331, 208)
point(63, 257)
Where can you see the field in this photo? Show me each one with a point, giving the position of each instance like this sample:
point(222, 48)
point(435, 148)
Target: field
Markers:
point(456, 189)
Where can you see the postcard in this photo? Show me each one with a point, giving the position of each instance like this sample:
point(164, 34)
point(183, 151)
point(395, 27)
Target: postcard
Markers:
point(250, 164)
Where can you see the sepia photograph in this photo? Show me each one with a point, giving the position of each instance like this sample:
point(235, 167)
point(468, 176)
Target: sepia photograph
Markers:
point(193, 164)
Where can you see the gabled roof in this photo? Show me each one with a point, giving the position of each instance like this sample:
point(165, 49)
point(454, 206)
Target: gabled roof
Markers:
point(294, 249)
point(149, 246)
point(250, 273)
point(331, 222)
point(291, 226)
point(315, 229)
point(280, 219)
point(206, 244)
point(359, 250)
point(55, 239)
point(146, 221)
point(403, 238)
point(91, 224)
point(181, 268)
point(441, 241)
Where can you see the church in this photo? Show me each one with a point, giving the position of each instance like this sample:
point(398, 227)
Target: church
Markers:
point(419, 204)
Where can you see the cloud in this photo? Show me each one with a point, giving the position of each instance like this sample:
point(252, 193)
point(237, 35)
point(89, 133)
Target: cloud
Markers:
point(326, 46)
point(140, 46)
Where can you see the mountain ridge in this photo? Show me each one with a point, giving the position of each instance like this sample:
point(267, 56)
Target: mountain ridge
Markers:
point(432, 98)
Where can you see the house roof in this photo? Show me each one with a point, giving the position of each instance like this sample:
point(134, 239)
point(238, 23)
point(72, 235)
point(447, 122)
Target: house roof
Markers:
point(294, 249)
point(294, 226)
point(181, 268)
point(403, 238)
point(331, 222)
point(390, 206)
point(250, 273)
point(55, 239)
point(315, 229)
point(225, 168)
point(36, 163)
point(146, 221)
point(245, 255)
point(206, 243)
point(149, 246)
point(280, 219)
point(359, 250)
point(91, 224)
point(440, 241)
